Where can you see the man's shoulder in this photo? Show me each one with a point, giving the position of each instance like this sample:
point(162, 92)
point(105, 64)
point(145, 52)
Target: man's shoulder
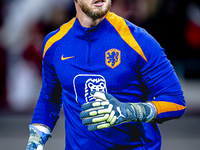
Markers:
point(60, 32)
point(56, 35)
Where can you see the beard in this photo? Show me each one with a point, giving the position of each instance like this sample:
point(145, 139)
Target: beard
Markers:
point(95, 14)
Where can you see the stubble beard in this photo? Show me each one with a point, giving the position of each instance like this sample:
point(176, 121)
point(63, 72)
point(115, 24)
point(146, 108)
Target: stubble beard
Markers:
point(99, 13)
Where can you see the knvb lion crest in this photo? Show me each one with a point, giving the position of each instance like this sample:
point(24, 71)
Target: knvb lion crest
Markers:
point(85, 83)
point(113, 58)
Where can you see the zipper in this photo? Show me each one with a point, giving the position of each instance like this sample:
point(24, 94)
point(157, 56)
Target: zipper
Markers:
point(89, 47)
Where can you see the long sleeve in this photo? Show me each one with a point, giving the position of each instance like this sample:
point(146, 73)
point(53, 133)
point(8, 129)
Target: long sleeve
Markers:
point(162, 83)
point(50, 102)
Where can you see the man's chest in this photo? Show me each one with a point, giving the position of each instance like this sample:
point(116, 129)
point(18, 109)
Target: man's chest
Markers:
point(85, 67)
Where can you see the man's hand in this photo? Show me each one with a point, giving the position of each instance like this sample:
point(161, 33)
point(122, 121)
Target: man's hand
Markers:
point(107, 111)
point(37, 139)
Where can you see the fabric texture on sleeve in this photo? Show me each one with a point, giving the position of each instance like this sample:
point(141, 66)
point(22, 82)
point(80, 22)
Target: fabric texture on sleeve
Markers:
point(50, 102)
point(161, 81)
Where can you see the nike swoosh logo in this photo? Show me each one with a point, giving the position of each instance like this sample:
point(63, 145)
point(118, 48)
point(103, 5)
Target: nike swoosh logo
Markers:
point(64, 58)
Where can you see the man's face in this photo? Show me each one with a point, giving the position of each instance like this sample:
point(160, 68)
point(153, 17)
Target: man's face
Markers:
point(94, 8)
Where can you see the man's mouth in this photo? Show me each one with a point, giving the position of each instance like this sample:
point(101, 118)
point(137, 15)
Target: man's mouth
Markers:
point(99, 2)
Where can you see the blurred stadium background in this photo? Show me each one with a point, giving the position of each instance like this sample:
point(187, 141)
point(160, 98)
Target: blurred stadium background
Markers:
point(23, 25)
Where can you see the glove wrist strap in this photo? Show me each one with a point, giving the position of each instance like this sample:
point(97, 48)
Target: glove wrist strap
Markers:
point(145, 112)
point(44, 137)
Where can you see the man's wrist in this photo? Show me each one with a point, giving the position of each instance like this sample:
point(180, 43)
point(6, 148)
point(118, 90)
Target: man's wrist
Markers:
point(155, 110)
point(144, 112)
point(42, 128)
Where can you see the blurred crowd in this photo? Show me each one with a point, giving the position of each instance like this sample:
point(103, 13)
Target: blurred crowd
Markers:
point(175, 24)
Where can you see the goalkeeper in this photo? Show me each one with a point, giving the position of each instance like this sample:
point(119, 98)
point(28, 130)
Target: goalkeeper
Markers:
point(112, 79)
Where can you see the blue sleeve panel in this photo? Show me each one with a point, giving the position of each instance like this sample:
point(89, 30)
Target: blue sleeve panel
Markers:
point(163, 86)
point(50, 102)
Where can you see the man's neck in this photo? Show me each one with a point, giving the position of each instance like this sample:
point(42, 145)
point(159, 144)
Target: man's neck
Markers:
point(87, 21)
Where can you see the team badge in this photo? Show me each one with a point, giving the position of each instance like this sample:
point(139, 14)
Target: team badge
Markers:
point(85, 83)
point(113, 58)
